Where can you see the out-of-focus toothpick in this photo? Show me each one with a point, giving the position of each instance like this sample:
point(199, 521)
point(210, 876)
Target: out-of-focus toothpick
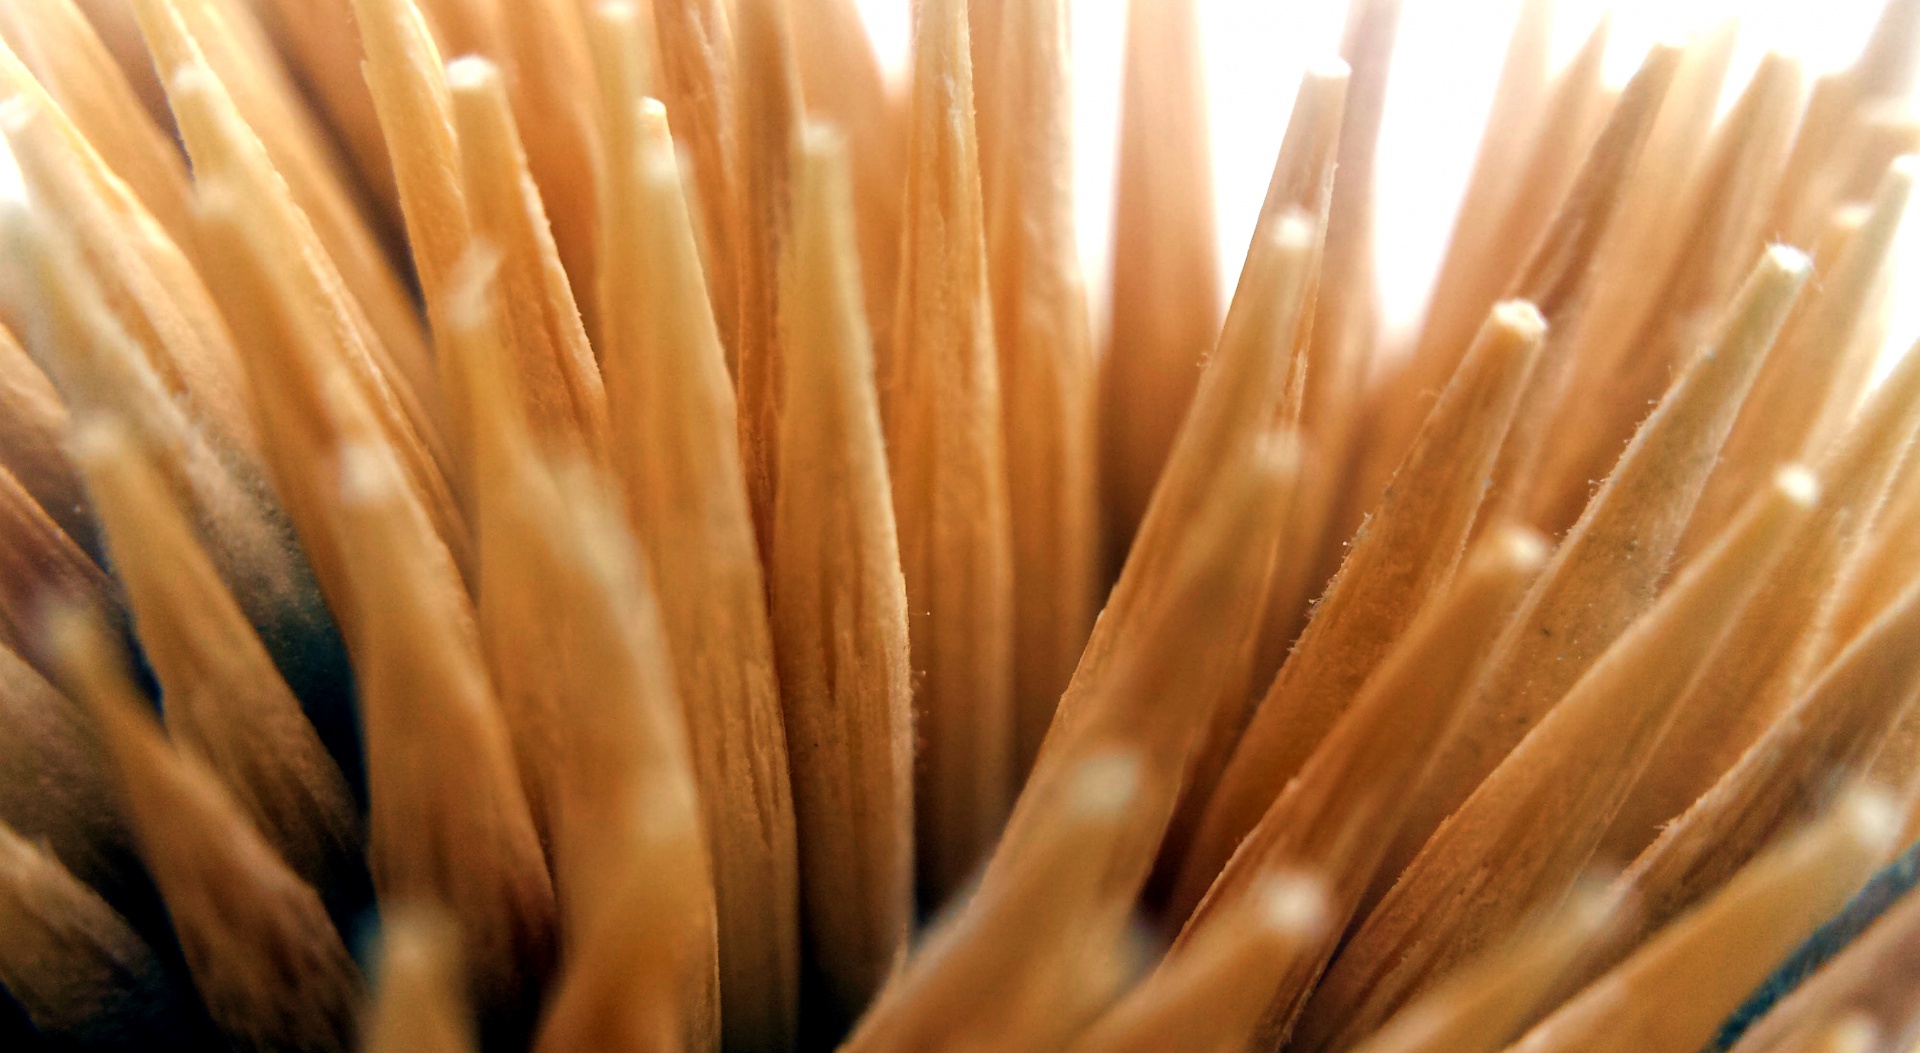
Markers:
point(262, 953)
point(1165, 297)
point(769, 111)
point(1213, 997)
point(419, 1005)
point(222, 696)
point(81, 974)
point(1483, 1006)
point(1669, 996)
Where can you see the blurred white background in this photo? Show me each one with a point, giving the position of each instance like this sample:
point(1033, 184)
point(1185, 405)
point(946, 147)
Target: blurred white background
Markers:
point(1445, 62)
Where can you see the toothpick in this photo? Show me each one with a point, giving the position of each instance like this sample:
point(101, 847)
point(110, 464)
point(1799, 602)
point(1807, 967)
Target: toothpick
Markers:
point(1165, 296)
point(1483, 1006)
point(456, 831)
point(418, 1005)
point(1609, 568)
point(840, 76)
point(319, 45)
point(182, 33)
point(1853, 1033)
point(1095, 809)
point(631, 856)
point(1541, 178)
point(407, 88)
point(1642, 251)
point(1346, 315)
point(1874, 980)
point(769, 110)
point(33, 424)
point(941, 408)
point(574, 640)
point(1488, 865)
point(1709, 231)
point(1047, 394)
point(53, 784)
point(543, 48)
point(1558, 275)
point(1211, 997)
point(258, 943)
point(1336, 817)
point(1835, 726)
point(1782, 641)
point(1028, 970)
point(677, 457)
point(235, 515)
point(1298, 192)
point(1499, 173)
point(1671, 995)
point(556, 374)
point(76, 967)
point(1785, 409)
point(227, 152)
point(222, 696)
point(146, 283)
point(697, 85)
point(1400, 562)
point(38, 564)
point(72, 63)
point(839, 610)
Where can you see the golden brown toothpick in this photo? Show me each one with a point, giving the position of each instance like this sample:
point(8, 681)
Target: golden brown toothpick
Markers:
point(418, 1004)
point(67, 57)
point(677, 458)
point(1875, 978)
point(1610, 566)
point(1336, 817)
point(1529, 210)
point(557, 378)
point(33, 424)
point(1781, 420)
point(940, 403)
point(1212, 998)
point(697, 78)
point(54, 788)
point(769, 111)
point(1487, 865)
point(839, 610)
point(1789, 774)
point(74, 965)
point(1407, 553)
point(183, 33)
point(1673, 994)
point(1482, 1006)
point(1267, 334)
point(1096, 807)
point(1710, 231)
point(840, 76)
point(1785, 639)
point(259, 945)
point(222, 697)
point(1047, 382)
point(1166, 285)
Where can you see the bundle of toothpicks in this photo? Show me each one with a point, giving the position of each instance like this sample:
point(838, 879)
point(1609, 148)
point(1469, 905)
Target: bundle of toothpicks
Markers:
point(605, 526)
